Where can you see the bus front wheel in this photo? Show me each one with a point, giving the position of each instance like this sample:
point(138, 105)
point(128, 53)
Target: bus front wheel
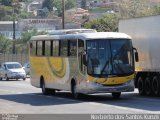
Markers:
point(116, 95)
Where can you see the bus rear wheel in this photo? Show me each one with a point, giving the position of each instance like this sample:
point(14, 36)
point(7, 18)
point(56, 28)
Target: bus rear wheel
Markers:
point(74, 91)
point(156, 85)
point(141, 86)
point(46, 91)
point(116, 95)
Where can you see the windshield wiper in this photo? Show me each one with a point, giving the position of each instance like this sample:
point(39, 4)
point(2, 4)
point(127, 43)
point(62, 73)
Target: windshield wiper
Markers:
point(107, 62)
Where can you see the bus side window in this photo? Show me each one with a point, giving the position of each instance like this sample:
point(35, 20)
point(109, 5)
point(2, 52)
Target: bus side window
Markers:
point(39, 48)
point(47, 48)
point(64, 48)
point(55, 48)
point(33, 48)
point(73, 48)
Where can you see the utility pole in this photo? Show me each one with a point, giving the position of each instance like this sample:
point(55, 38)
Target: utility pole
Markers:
point(14, 30)
point(63, 9)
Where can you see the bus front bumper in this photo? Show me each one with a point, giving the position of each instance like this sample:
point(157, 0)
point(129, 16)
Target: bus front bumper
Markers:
point(92, 87)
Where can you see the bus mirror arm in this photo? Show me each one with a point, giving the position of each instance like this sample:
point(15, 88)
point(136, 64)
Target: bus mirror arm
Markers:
point(136, 55)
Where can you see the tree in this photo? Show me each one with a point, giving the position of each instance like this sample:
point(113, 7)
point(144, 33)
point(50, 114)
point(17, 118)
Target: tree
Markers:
point(137, 8)
point(26, 36)
point(16, 6)
point(84, 4)
point(48, 4)
point(5, 44)
point(21, 44)
point(58, 4)
point(6, 2)
point(24, 15)
point(5, 13)
point(108, 23)
point(68, 5)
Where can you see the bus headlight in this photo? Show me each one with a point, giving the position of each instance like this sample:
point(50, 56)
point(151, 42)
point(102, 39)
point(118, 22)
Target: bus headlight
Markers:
point(130, 82)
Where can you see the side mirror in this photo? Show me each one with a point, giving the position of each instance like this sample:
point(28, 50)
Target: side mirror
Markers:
point(84, 59)
point(136, 55)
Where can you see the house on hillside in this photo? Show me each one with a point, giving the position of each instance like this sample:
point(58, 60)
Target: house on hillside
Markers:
point(77, 15)
point(34, 6)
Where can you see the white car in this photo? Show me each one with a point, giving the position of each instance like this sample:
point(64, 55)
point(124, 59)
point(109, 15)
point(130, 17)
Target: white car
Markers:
point(12, 70)
point(26, 67)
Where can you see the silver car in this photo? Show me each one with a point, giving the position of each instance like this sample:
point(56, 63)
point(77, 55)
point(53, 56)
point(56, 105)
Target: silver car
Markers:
point(26, 67)
point(12, 70)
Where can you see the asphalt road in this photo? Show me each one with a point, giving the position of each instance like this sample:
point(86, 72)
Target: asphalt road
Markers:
point(19, 97)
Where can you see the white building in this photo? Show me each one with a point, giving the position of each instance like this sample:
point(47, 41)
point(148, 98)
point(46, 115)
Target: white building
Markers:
point(39, 24)
point(6, 29)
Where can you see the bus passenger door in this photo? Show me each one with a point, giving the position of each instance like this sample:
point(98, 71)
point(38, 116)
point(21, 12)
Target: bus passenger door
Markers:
point(82, 67)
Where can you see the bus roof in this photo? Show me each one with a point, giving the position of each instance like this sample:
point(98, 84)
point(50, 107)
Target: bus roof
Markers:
point(84, 36)
point(71, 31)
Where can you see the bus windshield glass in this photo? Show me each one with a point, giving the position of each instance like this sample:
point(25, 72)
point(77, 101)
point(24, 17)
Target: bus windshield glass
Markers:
point(110, 57)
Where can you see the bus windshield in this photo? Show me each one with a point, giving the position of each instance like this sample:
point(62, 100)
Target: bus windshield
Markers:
point(109, 57)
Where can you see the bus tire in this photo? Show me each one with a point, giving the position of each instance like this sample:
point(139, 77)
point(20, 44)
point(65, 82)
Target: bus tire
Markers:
point(45, 90)
point(0, 78)
point(156, 85)
point(74, 89)
point(141, 86)
point(148, 89)
point(116, 95)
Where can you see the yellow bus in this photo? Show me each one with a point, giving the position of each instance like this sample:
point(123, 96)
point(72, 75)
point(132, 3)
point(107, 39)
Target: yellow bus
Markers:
point(96, 62)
